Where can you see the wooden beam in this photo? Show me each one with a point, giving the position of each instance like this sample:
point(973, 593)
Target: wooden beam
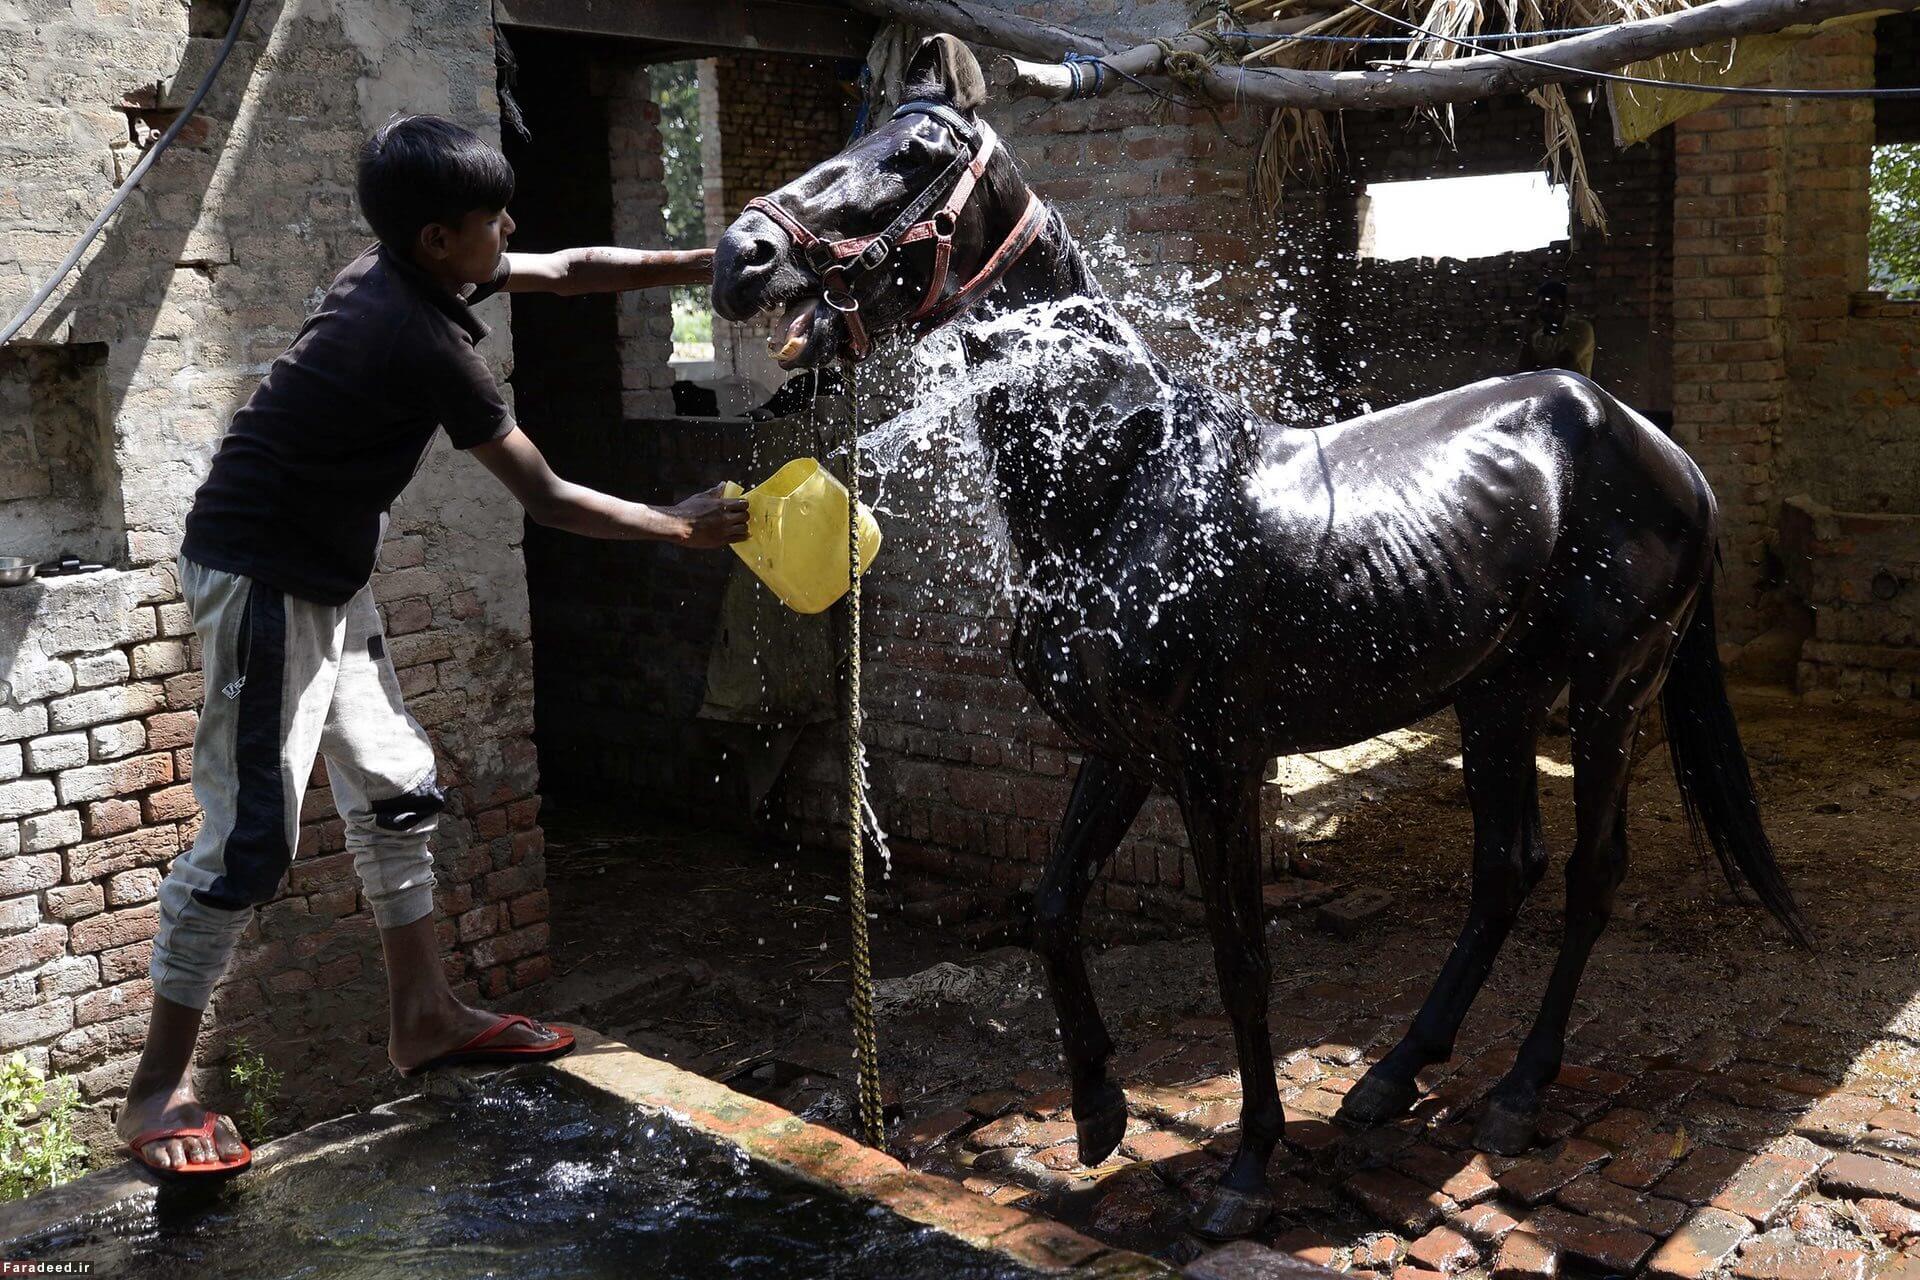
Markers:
point(1413, 85)
point(804, 27)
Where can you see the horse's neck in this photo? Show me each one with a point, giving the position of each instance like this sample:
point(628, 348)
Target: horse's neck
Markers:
point(1061, 425)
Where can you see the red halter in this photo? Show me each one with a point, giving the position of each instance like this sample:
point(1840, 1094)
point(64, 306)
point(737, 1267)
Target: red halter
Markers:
point(835, 261)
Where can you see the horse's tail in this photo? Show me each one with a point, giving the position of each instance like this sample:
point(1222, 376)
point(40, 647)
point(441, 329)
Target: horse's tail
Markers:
point(1711, 769)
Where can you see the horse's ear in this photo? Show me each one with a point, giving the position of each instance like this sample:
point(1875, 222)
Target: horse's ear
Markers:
point(947, 67)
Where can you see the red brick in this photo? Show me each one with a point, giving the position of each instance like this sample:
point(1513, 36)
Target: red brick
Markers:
point(1763, 1187)
point(1703, 1242)
point(33, 947)
point(1702, 1174)
point(1307, 1245)
point(1444, 1250)
point(1156, 1145)
point(111, 818)
point(172, 729)
point(1398, 1200)
point(1789, 1259)
point(532, 970)
point(1524, 1256)
point(1615, 1248)
point(113, 1002)
point(1464, 1177)
point(1894, 1223)
point(150, 846)
point(1487, 1223)
point(171, 804)
point(529, 908)
point(1596, 1197)
point(116, 929)
point(1858, 1175)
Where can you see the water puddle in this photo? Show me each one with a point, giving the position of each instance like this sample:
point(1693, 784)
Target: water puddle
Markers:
point(528, 1180)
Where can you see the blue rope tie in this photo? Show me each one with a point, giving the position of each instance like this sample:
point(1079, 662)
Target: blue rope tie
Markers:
point(1074, 61)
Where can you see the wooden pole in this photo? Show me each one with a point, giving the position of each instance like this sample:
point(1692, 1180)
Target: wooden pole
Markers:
point(1415, 85)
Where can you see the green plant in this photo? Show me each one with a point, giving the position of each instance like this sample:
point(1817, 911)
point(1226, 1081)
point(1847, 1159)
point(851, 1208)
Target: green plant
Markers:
point(258, 1087)
point(1893, 237)
point(676, 88)
point(35, 1156)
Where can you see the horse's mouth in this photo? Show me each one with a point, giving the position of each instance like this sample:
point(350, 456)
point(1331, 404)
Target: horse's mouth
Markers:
point(804, 336)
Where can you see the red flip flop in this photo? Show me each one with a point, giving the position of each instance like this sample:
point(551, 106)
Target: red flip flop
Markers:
point(197, 1171)
point(481, 1050)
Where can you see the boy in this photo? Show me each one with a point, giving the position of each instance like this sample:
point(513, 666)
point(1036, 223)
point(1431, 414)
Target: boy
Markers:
point(275, 565)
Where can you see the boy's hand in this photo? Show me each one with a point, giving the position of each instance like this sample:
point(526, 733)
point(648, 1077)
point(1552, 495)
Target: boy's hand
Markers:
point(712, 519)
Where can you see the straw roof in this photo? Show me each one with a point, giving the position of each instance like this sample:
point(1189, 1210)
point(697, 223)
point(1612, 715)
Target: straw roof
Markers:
point(1298, 142)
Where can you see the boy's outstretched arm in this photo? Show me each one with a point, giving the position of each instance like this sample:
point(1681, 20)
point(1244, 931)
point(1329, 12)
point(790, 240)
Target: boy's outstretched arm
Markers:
point(704, 520)
point(604, 269)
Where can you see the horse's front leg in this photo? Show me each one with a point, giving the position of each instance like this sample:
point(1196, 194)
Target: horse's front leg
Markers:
point(1105, 801)
point(1222, 811)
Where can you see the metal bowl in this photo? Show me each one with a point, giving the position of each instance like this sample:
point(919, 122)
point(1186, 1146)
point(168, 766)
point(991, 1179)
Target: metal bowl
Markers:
point(14, 571)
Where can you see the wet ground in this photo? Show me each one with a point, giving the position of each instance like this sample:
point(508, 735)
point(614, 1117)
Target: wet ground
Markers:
point(447, 1187)
point(1730, 1104)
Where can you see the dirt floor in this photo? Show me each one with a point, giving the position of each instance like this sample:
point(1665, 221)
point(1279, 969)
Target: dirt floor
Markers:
point(1730, 1102)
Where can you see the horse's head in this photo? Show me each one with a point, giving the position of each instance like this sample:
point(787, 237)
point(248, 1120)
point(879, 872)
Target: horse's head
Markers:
point(903, 227)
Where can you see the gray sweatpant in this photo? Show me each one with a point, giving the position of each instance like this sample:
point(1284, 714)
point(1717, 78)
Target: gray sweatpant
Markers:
point(287, 679)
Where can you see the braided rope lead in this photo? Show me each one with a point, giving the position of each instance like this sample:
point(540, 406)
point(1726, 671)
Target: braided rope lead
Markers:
point(866, 1045)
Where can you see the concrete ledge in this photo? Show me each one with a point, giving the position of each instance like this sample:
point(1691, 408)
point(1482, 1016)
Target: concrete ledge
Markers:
point(123, 1182)
point(780, 1140)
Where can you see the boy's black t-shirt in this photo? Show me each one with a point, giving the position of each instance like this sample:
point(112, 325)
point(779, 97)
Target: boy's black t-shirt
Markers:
point(300, 488)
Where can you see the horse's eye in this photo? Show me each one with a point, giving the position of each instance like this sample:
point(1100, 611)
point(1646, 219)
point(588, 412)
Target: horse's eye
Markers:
point(910, 156)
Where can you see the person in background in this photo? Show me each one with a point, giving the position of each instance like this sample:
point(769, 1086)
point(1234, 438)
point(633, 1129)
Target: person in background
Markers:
point(1559, 339)
point(276, 566)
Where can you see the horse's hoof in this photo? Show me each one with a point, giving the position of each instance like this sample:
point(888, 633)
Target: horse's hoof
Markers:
point(1502, 1132)
point(1101, 1129)
point(1377, 1098)
point(1228, 1214)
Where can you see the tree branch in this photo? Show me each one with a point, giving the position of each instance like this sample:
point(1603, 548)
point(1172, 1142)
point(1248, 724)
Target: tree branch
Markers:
point(1425, 84)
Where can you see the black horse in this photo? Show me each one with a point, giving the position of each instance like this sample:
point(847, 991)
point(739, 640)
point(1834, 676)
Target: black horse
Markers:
point(1208, 589)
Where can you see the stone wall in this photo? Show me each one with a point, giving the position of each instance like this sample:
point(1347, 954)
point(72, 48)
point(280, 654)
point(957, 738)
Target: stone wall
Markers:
point(196, 285)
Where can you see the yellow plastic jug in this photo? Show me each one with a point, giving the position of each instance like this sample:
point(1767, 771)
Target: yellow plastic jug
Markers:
point(797, 535)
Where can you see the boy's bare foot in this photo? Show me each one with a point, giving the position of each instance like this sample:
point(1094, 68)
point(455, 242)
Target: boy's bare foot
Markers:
point(424, 1035)
point(175, 1108)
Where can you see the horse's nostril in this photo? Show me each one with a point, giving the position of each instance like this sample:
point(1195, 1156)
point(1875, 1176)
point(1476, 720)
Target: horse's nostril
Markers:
point(758, 253)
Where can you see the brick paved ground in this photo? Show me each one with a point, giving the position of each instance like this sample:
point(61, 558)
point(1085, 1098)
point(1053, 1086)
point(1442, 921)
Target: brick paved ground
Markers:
point(1730, 1108)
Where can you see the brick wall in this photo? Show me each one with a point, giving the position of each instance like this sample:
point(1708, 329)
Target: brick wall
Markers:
point(1849, 453)
point(1796, 391)
point(56, 460)
point(1425, 326)
point(196, 285)
point(765, 120)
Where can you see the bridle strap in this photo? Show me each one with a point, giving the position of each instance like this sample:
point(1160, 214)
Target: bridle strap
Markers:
point(1018, 241)
point(837, 261)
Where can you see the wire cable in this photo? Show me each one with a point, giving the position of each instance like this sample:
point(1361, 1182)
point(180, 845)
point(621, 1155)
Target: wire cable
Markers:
point(131, 181)
point(1282, 37)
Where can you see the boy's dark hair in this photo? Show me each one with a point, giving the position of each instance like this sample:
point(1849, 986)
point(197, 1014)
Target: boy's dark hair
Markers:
point(420, 169)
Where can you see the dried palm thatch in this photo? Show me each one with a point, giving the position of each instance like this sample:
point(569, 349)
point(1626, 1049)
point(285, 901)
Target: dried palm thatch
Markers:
point(1298, 143)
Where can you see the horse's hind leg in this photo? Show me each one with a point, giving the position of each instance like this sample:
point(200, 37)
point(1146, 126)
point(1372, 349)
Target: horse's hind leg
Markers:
point(1603, 731)
point(1105, 801)
point(1222, 811)
point(1499, 724)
